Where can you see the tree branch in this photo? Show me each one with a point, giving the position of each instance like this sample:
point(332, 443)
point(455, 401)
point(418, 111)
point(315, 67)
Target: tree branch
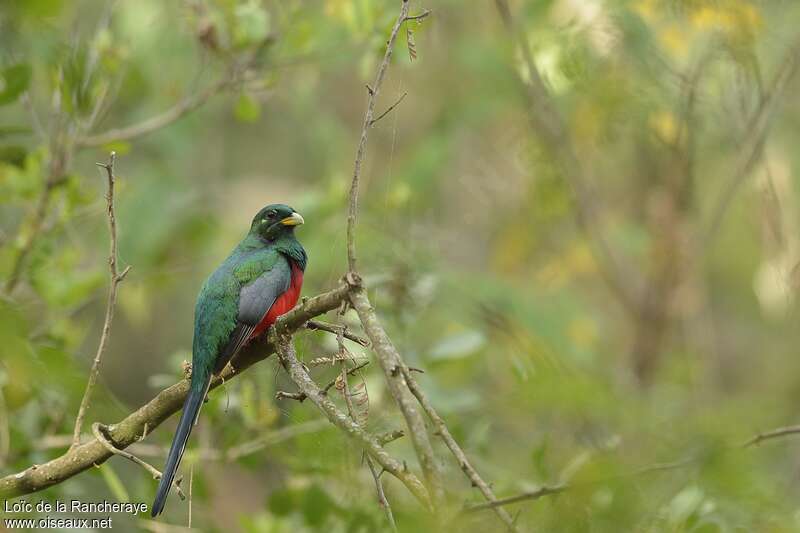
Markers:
point(391, 364)
point(153, 413)
point(114, 279)
point(59, 161)
point(774, 434)
point(173, 114)
point(316, 325)
point(527, 495)
point(752, 146)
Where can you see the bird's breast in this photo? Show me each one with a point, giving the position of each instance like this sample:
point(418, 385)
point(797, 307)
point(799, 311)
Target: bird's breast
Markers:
point(284, 303)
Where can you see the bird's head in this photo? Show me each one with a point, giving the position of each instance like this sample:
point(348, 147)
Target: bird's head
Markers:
point(275, 221)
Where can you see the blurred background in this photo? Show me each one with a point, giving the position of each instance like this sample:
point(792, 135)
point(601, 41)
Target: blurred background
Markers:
point(594, 284)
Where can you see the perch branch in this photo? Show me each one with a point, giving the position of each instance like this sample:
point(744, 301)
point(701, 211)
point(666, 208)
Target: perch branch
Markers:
point(169, 401)
point(115, 278)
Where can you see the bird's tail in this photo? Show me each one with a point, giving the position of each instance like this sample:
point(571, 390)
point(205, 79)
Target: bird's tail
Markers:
point(191, 410)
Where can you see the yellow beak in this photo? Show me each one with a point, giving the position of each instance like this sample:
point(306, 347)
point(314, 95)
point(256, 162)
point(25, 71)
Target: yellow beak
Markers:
point(294, 220)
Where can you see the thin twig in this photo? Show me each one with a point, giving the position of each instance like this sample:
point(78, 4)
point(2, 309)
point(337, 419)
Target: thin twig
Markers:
point(419, 17)
point(443, 432)
point(5, 438)
point(389, 109)
point(348, 399)
point(115, 279)
point(752, 146)
point(372, 92)
point(390, 436)
point(527, 495)
point(191, 482)
point(99, 429)
point(300, 396)
point(315, 325)
point(174, 113)
point(382, 500)
point(774, 434)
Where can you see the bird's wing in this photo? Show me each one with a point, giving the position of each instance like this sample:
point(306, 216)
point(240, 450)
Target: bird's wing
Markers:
point(255, 300)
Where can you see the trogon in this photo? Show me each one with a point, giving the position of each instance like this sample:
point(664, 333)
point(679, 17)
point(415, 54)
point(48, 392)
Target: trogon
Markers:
point(259, 281)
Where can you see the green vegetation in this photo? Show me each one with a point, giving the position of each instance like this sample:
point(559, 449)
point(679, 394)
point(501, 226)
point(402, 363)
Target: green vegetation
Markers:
point(582, 222)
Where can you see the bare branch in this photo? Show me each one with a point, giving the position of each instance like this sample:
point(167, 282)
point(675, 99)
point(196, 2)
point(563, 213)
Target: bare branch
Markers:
point(389, 109)
point(419, 17)
point(390, 436)
point(752, 146)
point(173, 114)
point(391, 364)
point(335, 329)
point(373, 92)
point(382, 500)
point(300, 396)
point(114, 279)
point(98, 430)
point(527, 495)
point(774, 434)
point(300, 377)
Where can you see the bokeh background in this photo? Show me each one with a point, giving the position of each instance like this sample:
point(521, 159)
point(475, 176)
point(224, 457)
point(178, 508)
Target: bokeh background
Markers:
point(550, 363)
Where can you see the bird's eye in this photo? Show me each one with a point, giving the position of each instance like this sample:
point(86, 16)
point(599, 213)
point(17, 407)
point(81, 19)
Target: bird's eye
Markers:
point(271, 213)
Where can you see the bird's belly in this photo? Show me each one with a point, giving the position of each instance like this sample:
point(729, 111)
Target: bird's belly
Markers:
point(283, 304)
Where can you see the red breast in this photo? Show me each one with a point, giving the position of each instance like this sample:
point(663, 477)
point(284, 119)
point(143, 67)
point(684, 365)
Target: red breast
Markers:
point(284, 303)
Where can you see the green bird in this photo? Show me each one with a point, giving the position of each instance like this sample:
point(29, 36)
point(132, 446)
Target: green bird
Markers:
point(258, 282)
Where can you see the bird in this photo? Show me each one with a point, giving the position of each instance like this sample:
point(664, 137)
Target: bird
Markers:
point(259, 281)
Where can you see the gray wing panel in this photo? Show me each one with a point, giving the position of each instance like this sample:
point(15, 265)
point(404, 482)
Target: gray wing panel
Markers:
point(257, 297)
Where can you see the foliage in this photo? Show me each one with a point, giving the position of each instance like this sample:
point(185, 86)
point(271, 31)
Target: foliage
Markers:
point(491, 284)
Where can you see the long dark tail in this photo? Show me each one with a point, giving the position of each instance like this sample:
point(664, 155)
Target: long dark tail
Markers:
point(191, 409)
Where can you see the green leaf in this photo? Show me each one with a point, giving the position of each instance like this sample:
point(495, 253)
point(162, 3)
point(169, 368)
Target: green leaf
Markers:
point(252, 23)
point(282, 502)
point(13, 82)
point(8, 131)
point(247, 108)
point(317, 505)
point(13, 154)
